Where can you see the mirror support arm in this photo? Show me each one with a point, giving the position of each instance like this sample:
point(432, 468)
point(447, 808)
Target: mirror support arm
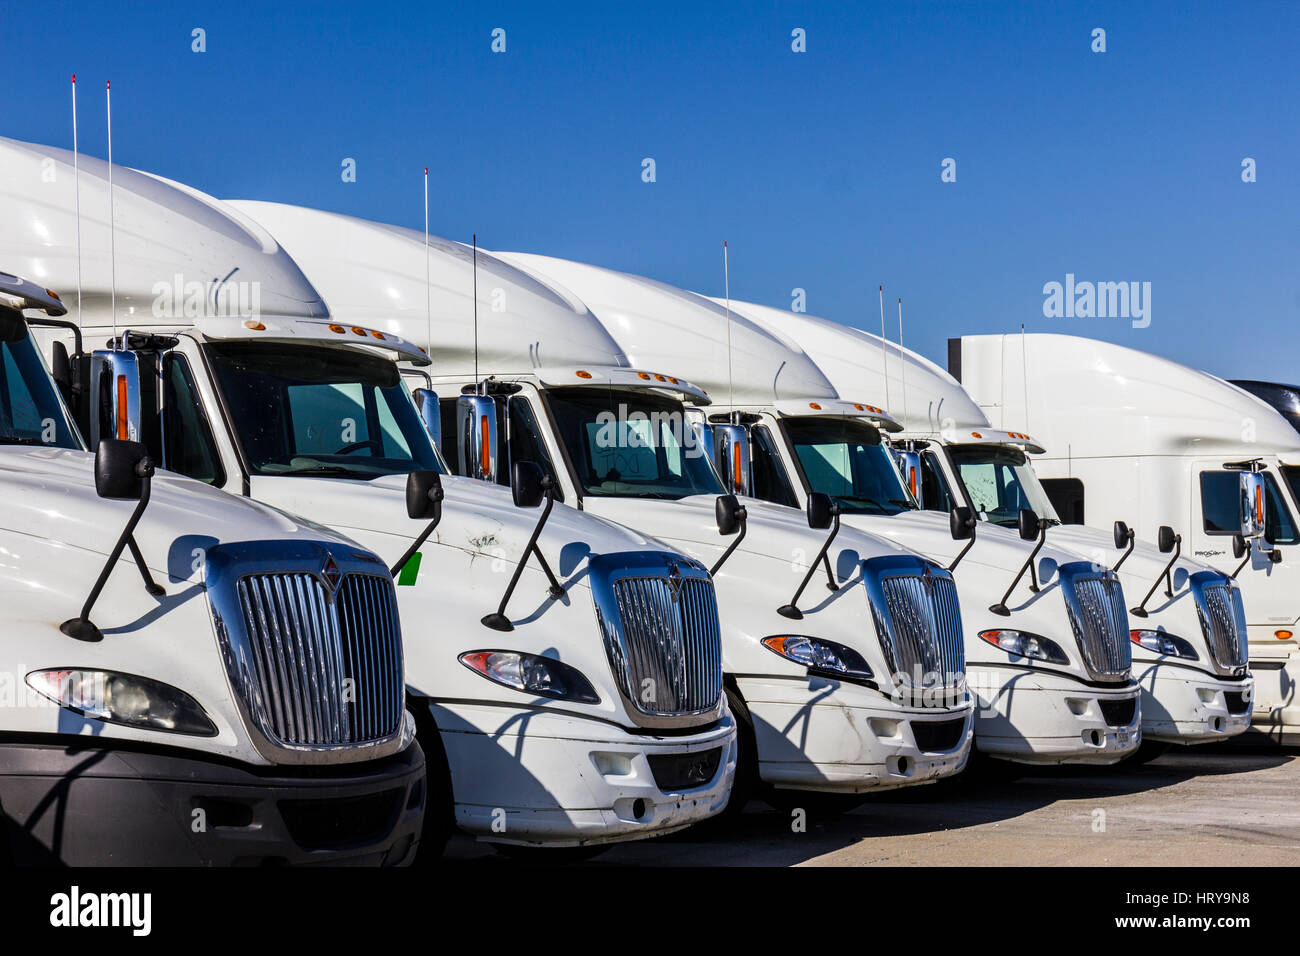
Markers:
point(791, 610)
point(1001, 607)
point(423, 536)
point(498, 620)
point(1244, 561)
point(744, 527)
point(1166, 575)
point(80, 627)
point(1132, 543)
point(962, 553)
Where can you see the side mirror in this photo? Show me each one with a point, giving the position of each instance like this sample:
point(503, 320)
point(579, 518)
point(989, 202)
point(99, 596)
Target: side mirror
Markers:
point(423, 493)
point(120, 469)
point(476, 439)
point(1165, 539)
point(1252, 504)
point(13, 327)
point(704, 444)
point(961, 523)
point(1027, 524)
point(1121, 534)
point(731, 455)
point(527, 484)
point(730, 514)
point(1238, 546)
point(114, 395)
point(909, 465)
point(426, 403)
point(821, 510)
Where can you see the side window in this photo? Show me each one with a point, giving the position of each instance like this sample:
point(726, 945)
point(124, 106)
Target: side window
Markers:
point(934, 487)
point(188, 445)
point(1219, 504)
point(526, 443)
point(771, 483)
point(1066, 496)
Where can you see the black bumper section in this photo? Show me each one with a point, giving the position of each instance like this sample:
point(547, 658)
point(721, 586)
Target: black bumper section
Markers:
point(98, 806)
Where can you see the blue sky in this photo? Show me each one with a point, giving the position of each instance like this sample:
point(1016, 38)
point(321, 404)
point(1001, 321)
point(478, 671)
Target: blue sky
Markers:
point(821, 169)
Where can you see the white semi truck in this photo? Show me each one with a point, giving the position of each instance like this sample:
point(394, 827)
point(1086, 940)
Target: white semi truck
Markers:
point(1189, 646)
point(1046, 638)
point(823, 694)
point(1130, 433)
point(189, 678)
point(555, 710)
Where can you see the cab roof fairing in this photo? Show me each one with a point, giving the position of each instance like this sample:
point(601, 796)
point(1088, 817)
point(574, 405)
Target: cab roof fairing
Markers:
point(374, 274)
point(160, 229)
point(857, 363)
point(677, 332)
point(1089, 398)
point(271, 328)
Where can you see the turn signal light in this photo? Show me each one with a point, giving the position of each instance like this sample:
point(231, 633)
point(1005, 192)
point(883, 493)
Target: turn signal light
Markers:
point(1283, 635)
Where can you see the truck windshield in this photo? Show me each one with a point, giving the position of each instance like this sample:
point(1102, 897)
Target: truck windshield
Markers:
point(308, 410)
point(628, 444)
point(844, 458)
point(1001, 482)
point(31, 412)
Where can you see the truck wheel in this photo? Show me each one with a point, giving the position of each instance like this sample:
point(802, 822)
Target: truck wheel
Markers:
point(440, 804)
point(1148, 751)
point(745, 787)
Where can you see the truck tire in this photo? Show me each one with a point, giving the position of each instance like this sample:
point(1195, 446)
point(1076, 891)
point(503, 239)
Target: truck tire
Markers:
point(746, 784)
point(440, 803)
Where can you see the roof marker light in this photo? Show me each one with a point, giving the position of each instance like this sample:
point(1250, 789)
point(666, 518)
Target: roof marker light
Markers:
point(255, 325)
point(814, 406)
point(660, 378)
point(976, 435)
point(337, 328)
point(357, 330)
point(645, 376)
point(377, 335)
point(582, 374)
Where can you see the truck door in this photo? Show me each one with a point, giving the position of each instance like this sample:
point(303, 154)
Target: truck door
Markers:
point(1268, 598)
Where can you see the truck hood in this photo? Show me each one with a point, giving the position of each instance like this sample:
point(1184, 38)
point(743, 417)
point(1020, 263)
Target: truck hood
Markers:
point(50, 493)
point(476, 517)
point(773, 532)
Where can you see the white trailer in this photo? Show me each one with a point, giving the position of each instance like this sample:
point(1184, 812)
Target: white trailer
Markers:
point(820, 699)
point(141, 723)
point(551, 714)
point(1130, 433)
point(1052, 673)
point(1189, 647)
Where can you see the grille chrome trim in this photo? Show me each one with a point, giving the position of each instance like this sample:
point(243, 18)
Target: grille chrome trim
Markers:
point(1094, 602)
point(1222, 616)
point(290, 640)
point(918, 620)
point(656, 630)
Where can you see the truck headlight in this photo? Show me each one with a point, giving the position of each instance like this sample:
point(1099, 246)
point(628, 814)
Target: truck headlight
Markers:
point(820, 656)
point(123, 699)
point(1158, 642)
point(532, 674)
point(1023, 644)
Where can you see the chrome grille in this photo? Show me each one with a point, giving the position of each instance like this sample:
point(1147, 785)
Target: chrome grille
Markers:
point(1223, 620)
point(323, 672)
point(923, 635)
point(1095, 602)
point(661, 632)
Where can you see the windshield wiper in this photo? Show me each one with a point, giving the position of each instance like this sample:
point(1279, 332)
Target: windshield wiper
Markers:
point(321, 470)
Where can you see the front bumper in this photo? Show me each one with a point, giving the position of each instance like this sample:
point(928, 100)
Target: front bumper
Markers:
point(1035, 717)
point(1182, 706)
point(542, 778)
point(817, 734)
point(1275, 665)
point(87, 804)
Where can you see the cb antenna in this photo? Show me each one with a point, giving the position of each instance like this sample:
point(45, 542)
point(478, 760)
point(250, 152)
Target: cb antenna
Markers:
point(475, 269)
point(726, 294)
point(1024, 374)
point(884, 345)
point(902, 370)
point(76, 188)
point(112, 234)
point(428, 311)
